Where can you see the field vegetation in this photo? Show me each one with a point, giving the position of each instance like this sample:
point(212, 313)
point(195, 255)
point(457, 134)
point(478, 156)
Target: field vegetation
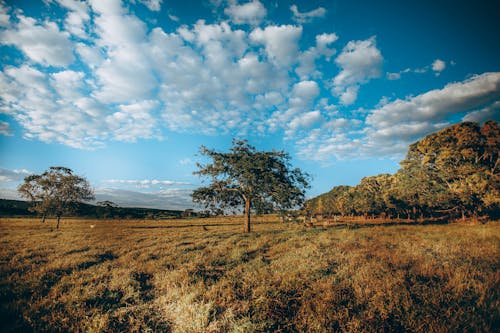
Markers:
point(204, 275)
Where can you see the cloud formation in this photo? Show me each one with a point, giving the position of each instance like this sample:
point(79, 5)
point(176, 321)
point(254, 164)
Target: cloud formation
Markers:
point(438, 66)
point(15, 175)
point(360, 61)
point(248, 13)
point(306, 17)
point(100, 72)
point(390, 128)
point(41, 42)
point(5, 129)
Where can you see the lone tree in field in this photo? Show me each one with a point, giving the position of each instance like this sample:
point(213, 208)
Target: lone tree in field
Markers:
point(55, 192)
point(247, 178)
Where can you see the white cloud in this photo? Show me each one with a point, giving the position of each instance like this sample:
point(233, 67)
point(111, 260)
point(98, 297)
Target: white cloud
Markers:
point(125, 76)
point(249, 13)
point(304, 121)
point(360, 61)
point(281, 43)
point(69, 84)
point(115, 27)
point(306, 90)
point(48, 106)
point(307, 59)
point(307, 16)
point(438, 66)
point(393, 76)
point(336, 139)
point(4, 17)
point(153, 5)
point(436, 105)
point(77, 17)
point(145, 182)
point(390, 128)
point(173, 18)
point(5, 129)
point(134, 81)
point(208, 78)
point(42, 43)
point(405, 121)
point(134, 121)
point(491, 112)
point(15, 175)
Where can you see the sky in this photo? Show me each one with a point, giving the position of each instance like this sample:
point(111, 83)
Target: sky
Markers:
point(125, 92)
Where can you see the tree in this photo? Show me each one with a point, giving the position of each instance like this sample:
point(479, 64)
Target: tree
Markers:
point(250, 179)
point(456, 168)
point(106, 208)
point(55, 192)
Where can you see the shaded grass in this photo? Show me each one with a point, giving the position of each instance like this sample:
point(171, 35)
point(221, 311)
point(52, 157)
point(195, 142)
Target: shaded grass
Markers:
point(176, 276)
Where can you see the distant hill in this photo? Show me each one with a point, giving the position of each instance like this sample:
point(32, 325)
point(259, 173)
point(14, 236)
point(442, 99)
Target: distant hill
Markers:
point(17, 208)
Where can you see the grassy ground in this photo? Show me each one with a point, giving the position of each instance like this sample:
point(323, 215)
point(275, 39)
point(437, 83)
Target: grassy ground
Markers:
point(206, 276)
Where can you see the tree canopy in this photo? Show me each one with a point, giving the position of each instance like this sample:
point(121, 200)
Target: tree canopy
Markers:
point(250, 179)
point(55, 192)
point(453, 172)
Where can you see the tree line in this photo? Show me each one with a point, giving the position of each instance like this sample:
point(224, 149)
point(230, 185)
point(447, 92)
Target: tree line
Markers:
point(449, 174)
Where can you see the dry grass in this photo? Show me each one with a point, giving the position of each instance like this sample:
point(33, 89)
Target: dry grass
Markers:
point(178, 276)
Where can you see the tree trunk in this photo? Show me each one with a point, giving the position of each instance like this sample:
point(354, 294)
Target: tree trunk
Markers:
point(58, 220)
point(246, 226)
point(43, 218)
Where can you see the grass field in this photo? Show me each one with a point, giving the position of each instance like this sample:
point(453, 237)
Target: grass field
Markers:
point(205, 276)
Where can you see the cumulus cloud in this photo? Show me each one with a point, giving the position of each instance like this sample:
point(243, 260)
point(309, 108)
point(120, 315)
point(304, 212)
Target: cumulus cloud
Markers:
point(4, 17)
point(114, 77)
point(390, 128)
point(77, 18)
point(322, 49)
point(437, 104)
point(39, 102)
point(302, 99)
point(491, 112)
point(360, 61)
point(305, 17)
point(134, 121)
point(304, 121)
point(281, 42)
point(336, 139)
point(249, 13)
point(15, 175)
point(405, 121)
point(438, 66)
point(42, 43)
point(393, 76)
point(134, 81)
point(153, 5)
point(5, 129)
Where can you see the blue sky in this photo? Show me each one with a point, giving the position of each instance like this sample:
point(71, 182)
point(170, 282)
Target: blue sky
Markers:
point(125, 93)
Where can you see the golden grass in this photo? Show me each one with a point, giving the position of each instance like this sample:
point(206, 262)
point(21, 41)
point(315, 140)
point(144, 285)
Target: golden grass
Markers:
point(203, 275)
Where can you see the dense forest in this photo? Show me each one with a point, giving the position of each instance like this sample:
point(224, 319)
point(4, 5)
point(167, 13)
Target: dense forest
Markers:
point(449, 174)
